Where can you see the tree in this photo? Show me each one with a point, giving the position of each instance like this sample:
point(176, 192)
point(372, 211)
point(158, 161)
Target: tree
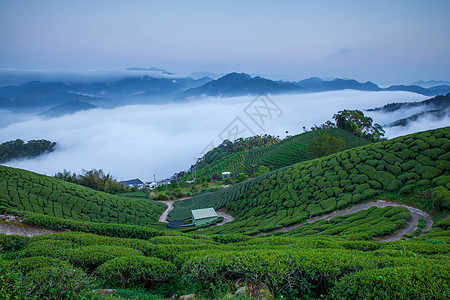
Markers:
point(261, 170)
point(215, 176)
point(356, 122)
point(241, 177)
point(326, 145)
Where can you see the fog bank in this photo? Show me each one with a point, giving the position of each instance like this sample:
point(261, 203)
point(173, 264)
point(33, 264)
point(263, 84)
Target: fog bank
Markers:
point(142, 140)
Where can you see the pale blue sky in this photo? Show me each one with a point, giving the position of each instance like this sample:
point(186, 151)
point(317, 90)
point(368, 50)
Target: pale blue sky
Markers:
point(383, 41)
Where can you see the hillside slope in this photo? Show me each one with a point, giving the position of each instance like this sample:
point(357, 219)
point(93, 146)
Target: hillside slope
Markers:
point(285, 153)
point(28, 191)
point(402, 166)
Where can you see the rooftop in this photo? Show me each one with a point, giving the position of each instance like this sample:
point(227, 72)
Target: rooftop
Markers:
point(204, 213)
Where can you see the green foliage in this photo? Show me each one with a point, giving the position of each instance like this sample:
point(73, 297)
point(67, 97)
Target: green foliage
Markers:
point(13, 242)
point(274, 156)
point(26, 191)
point(292, 194)
point(12, 283)
point(241, 177)
point(363, 225)
point(19, 149)
point(137, 269)
point(90, 257)
point(59, 282)
point(356, 122)
point(115, 230)
point(424, 282)
point(94, 179)
point(326, 145)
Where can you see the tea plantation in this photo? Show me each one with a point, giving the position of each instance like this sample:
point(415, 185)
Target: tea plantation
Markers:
point(72, 265)
point(285, 153)
point(402, 166)
point(28, 191)
point(108, 248)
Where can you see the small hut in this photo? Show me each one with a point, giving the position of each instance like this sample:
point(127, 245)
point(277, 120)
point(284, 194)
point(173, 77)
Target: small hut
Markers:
point(203, 216)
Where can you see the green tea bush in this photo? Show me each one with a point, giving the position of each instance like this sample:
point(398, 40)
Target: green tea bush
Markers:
point(51, 248)
point(115, 230)
point(26, 191)
point(59, 282)
point(421, 282)
point(13, 242)
point(12, 282)
point(137, 269)
point(28, 264)
point(90, 257)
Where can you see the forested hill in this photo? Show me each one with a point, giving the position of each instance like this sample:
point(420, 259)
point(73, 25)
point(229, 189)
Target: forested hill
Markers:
point(416, 164)
point(19, 149)
point(275, 155)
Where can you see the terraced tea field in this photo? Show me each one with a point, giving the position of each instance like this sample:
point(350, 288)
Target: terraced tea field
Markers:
point(285, 153)
point(28, 191)
point(405, 165)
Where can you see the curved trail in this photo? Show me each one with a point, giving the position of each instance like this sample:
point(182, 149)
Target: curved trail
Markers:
point(13, 225)
point(221, 212)
point(226, 216)
point(411, 226)
point(169, 203)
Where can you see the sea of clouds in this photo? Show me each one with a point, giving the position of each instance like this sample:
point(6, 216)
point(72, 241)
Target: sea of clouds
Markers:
point(139, 141)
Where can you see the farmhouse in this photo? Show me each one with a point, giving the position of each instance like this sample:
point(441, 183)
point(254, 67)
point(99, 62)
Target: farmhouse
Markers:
point(226, 175)
point(203, 216)
point(133, 183)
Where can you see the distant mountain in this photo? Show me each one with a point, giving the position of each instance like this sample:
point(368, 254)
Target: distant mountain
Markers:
point(436, 108)
point(151, 69)
point(241, 84)
point(430, 83)
point(316, 84)
point(198, 75)
point(67, 108)
point(438, 102)
point(37, 94)
point(435, 115)
point(148, 88)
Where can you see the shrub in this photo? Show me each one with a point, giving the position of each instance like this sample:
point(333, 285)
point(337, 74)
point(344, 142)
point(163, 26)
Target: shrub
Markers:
point(90, 257)
point(137, 269)
point(51, 248)
point(13, 242)
point(230, 238)
point(411, 282)
point(407, 189)
point(363, 246)
point(59, 282)
point(440, 198)
point(28, 264)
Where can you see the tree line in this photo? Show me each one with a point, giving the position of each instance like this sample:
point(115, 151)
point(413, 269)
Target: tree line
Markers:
point(19, 149)
point(94, 179)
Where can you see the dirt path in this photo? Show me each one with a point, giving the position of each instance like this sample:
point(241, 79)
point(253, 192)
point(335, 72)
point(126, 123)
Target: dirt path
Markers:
point(13, 225)
point(169, 203)
point(226, 217)
point(411, 226)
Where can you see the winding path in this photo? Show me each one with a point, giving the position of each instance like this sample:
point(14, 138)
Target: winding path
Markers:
point(12, 225)
point(411, 226)
point(169, 203)
point(221, 212)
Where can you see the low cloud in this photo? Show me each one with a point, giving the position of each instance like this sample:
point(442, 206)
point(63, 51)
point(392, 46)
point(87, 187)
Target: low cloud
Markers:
point(143, 140)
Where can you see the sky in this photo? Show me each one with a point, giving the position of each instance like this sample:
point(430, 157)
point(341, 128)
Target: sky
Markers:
point(387, 42)
point(139, 141)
